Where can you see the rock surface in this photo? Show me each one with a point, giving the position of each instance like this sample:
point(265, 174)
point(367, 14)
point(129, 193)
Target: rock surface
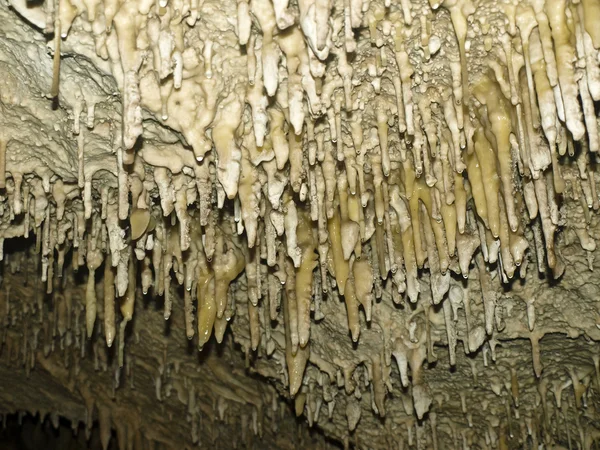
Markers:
point(302, 224)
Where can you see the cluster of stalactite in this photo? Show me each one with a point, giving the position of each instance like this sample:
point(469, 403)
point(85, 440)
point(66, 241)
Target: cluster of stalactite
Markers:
point(55, 372)
point(325, 148)
point(505, 407)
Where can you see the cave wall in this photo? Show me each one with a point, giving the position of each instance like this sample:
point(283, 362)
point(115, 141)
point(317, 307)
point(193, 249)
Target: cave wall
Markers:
point(302, 225)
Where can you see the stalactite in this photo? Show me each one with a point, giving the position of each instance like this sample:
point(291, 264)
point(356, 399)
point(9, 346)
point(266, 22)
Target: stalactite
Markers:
point(297, 154)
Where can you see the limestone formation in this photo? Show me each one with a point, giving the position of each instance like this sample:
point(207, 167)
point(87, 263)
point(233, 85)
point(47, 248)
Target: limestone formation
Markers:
point(378, 216)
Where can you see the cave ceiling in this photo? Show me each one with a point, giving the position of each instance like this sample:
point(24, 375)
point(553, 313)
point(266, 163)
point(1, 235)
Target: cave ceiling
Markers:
point(302, 223)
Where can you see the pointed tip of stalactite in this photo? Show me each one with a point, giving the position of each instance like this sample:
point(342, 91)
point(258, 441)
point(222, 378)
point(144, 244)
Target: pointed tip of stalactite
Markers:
point(559, 269)
point(294, 349)
point(295, 387)
point(421, 400)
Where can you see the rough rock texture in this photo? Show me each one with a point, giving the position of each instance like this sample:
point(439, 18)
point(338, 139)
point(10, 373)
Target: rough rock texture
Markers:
point(302, 224)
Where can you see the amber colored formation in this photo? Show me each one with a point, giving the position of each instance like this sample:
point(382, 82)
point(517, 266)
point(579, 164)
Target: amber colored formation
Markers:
point(336, 192)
